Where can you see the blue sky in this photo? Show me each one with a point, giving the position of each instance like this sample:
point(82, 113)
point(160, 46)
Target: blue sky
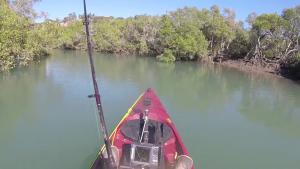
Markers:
point(125, 8)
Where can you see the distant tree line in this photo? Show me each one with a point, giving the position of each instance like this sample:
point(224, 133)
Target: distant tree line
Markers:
point(270, 40)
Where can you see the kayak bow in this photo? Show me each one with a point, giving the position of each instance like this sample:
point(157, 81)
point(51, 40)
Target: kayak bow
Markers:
point(146, 138)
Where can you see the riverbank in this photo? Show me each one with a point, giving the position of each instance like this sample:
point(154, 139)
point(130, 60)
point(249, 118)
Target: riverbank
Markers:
point(248, 67)
point(239, 64)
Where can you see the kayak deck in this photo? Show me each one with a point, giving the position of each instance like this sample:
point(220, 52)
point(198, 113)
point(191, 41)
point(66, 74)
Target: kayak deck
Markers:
point(146, 137)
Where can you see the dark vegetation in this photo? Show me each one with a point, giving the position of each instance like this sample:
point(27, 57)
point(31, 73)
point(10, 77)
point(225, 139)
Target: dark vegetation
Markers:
point(20, 42)
point(270, 41)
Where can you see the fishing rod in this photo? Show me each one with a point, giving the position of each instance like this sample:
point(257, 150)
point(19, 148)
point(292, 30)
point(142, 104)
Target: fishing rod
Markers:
point(96, 95)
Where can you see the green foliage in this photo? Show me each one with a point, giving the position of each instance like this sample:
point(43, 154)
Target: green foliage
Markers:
point(51, 33)
point(73, 36)
point(297, 57)
point(140, 34)
point(276, 37)
point(167, 32)
point(183, 37)
point(124, 36)
point(19, 43)
point(190, 42)
point(166, 57)
point(267, 33)
point(184, 34)
point(219, 30)
point(240, 46)
point(275, 41)
point(267, 23)
point(107, 36)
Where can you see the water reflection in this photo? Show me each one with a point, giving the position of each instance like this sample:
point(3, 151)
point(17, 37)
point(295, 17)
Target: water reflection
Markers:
point(221, 113)
point(210, 101)
point(273, 103)
point(14, 86)
point(170, 80)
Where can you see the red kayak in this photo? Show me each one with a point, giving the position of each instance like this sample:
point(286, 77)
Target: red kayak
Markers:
point(146, 138)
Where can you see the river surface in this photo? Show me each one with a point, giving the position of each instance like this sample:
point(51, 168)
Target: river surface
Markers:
point(228, 119)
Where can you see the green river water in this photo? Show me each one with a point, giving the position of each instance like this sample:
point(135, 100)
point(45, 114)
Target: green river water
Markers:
point(228, 119)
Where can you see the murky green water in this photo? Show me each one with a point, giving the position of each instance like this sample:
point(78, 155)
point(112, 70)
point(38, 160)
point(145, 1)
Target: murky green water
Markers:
point(228, 119)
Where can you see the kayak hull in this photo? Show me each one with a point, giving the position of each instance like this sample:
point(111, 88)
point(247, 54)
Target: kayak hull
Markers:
point(171, 143)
